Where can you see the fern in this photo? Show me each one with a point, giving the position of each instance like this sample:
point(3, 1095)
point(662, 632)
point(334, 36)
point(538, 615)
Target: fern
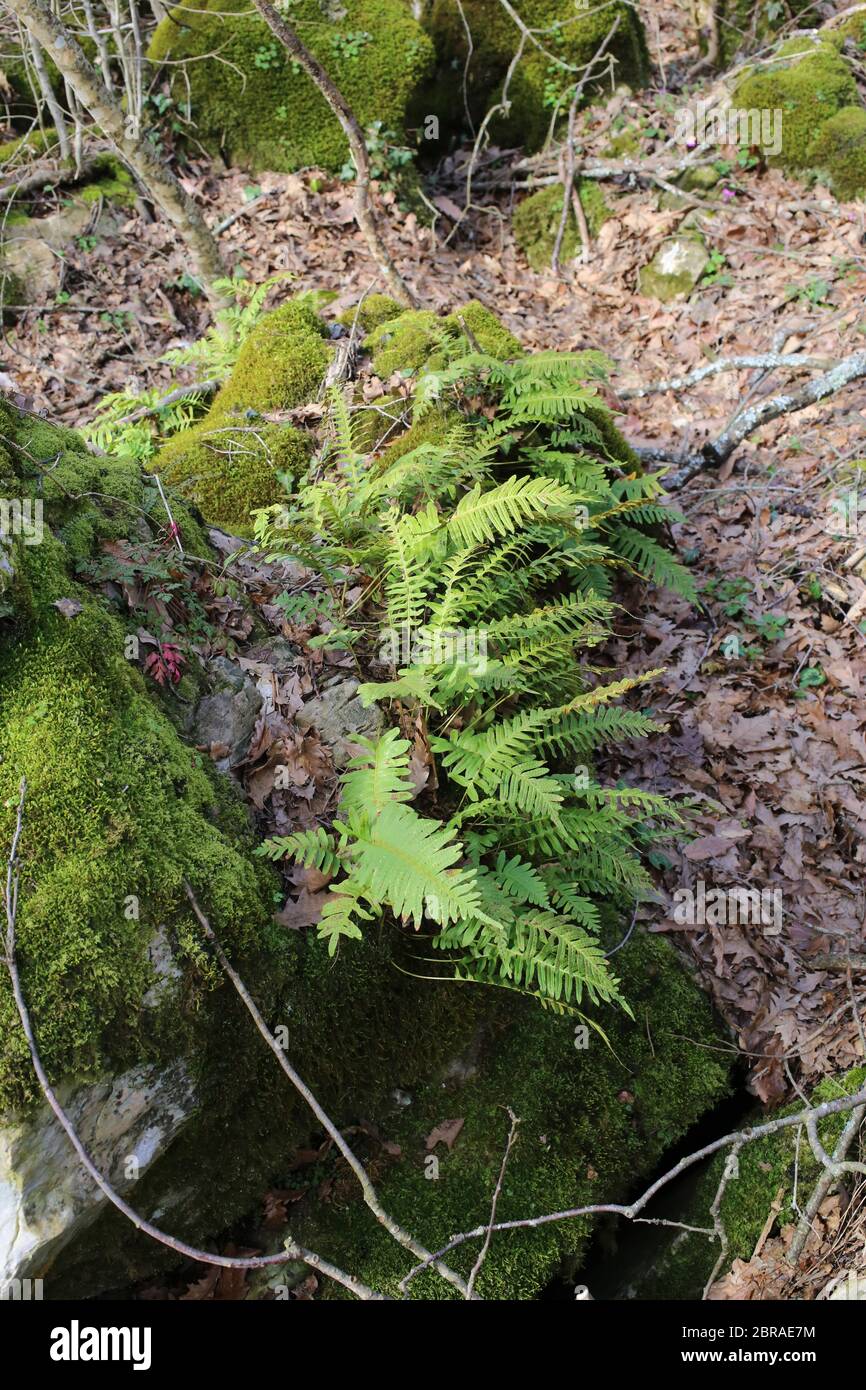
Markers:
point(514, 523)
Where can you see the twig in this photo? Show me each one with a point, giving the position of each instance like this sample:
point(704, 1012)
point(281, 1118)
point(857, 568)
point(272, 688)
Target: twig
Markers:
point(482, 1254)
point(242, 211)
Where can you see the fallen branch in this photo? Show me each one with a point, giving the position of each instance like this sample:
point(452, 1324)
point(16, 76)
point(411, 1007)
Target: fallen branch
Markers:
point(764, 360)
point(632, 1209)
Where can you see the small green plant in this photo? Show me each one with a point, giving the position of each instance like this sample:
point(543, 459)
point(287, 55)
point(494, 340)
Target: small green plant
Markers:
point(731, 594)
point(267, 56)
point(810, 678)
point(351, 45)
point(387, 159)
point(87, 243)
point(716, 270)
point(816, 292)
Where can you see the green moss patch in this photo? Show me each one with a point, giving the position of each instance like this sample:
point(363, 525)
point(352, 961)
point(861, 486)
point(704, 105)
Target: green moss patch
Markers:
point(592, 1121)
point(412, 340)
point(838, 153)
point(536, 222)
point(258, 107)
point(229, 462)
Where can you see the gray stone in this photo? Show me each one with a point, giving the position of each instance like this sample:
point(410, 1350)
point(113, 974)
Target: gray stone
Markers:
point(339, 716)
point(46, 1199)
point(228, 715)
point(675, 269)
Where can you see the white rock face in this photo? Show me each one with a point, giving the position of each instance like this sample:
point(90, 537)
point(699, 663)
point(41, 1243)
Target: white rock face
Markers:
point(46, 1198)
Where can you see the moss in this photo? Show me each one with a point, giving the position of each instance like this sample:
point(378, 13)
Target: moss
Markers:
point(374, 310)
point(118, 808)
point(592, 1122)
point(229, 462)
point(112, 182)
point(536, 222)
point(26, 147)
point(808, 82)
point(538, 85)
point(414, 338)
point(490, 334)
point(261, 109)
point(838, 153)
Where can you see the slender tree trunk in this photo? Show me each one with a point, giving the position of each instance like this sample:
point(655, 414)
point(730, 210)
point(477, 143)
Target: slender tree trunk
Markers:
point(346, 116)
point(161, 184)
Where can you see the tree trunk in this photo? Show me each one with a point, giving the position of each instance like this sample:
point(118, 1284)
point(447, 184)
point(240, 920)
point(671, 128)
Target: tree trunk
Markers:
point(159, 182)
point(346, 116)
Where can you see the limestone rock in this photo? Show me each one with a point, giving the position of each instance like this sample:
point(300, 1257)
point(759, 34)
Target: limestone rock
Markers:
point(338, 715)
point(46, 1198)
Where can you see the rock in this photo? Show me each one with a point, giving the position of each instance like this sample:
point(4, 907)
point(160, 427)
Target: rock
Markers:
point(675, 269)
point(46, 1198)
point(165, 970)
point(226, 718)
point(31, 253)
point(338, 714)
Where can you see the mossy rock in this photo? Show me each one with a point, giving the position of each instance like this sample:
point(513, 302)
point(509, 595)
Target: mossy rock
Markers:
point(372, 311)
point(592, 1120)
point(257, 107)
point(538, 84)
point(536, 222)
point(809, 82)
point(838, 153)
point(412, 340)
point(229, 462)
point(119, 810)
point(675, 269)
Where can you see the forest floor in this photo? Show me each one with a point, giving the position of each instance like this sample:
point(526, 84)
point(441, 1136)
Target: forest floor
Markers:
point(769, 730)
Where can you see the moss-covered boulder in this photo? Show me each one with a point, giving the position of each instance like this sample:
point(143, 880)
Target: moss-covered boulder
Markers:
point(537, 220)
point(257, 107)
point(807, 83)
point(417, 338)
point(838, 153)
point(593, 1114)
point(230, 462)
point(567, 39)
point(675, 269)
point(121, 811)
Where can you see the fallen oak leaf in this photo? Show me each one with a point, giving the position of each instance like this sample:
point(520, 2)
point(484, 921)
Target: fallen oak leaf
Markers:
point(444, 1133)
